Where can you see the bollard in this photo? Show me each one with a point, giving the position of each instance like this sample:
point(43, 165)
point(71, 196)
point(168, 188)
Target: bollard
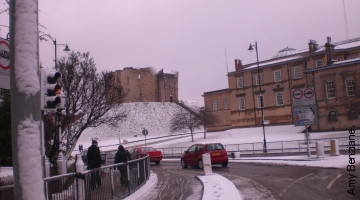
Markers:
point(79, 166)
point(207, 164)
point(237, 154)
point(334, 147)
point(320, 149)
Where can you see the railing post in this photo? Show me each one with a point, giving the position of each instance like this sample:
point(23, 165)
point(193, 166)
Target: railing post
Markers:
point(253, 148)
point(128, 177)
point(299, 144)
point(282, 147)
point(138, 172)
point(112, 183)
point(172, 151)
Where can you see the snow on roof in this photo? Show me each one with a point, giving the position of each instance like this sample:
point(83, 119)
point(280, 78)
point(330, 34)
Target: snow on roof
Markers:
point(272, 62)
point(167, 71)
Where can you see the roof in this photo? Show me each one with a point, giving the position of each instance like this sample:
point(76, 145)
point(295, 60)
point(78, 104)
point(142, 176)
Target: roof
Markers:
point(274, 62)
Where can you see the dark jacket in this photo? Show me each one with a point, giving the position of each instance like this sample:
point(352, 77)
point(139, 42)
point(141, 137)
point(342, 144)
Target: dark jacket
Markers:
point(122, 156)
point(93, 157)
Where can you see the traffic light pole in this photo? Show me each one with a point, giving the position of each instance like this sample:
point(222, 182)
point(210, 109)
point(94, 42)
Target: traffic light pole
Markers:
point(61, 162)
point(25, 101)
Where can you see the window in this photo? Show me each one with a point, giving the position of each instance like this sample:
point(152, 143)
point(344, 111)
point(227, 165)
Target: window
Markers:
point(319, 63)
point(277, 76)
point(338, 59)
point(353, 57)
point(330, 89)
point(279, 99)
point(226, 104)
point(260, 99)
point(241, 103)
point(214, 104)
point(332, 116)
point(353, 114)
point(257, 79)
point(350, 86)
point(297, 72)
point(240, 82)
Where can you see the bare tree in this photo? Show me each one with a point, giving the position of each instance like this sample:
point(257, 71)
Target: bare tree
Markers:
point(90, 98)
point(183, 120)
point(207, 119)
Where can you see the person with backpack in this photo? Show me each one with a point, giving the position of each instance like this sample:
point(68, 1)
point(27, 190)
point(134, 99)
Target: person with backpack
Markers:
point(123, 156)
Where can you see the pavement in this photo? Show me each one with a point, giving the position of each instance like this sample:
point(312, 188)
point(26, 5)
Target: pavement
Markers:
point(218, 187)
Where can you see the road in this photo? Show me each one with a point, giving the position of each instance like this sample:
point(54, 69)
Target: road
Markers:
point(255, 181)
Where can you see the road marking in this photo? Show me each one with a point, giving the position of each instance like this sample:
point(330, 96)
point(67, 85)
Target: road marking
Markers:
point(284, 190)
point(332, 181)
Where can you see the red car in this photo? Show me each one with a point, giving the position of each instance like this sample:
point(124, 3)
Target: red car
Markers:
point(192, 156)
point(155, 155)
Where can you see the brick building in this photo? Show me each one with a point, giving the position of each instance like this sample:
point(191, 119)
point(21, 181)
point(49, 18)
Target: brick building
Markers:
point(333, 70)
point(147, 85)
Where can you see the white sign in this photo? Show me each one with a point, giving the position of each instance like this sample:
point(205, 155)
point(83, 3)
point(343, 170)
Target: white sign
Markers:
point(305, 115)
point(303, 96)
point(4, 64)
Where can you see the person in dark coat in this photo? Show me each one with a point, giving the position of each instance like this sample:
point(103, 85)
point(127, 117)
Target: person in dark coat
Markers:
point(122, 156)
point(94, 161)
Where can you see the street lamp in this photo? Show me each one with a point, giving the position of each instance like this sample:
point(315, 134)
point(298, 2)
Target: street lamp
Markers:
point(55, 45)
point(61, 158)
point(261, 96)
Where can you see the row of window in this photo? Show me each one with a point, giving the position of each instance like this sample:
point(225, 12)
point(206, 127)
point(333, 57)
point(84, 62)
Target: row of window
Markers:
point(349, 87)
point(320, 63)
point(260, 102)
point(352, 114)
point(277, 77)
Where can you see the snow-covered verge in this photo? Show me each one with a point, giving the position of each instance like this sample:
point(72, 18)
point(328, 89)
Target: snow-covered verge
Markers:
point(6, 176)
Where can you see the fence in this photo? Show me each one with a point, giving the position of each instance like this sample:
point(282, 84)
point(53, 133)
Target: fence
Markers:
point(272, 147)
point(101, 183)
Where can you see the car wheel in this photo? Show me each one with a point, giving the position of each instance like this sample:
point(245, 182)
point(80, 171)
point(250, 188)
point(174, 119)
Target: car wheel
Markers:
point(225, 164)
point(157, 162)
point(183, 164)
point(200, 164)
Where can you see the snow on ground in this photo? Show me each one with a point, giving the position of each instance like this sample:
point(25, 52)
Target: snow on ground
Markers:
point(218, 187)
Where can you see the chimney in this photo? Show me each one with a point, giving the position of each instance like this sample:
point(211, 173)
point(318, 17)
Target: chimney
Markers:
point(313, 46)
point(329, 52)
point(238, 65)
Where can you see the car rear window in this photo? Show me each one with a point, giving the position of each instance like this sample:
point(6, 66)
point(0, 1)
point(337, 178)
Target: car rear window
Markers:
point(147, 149)
point(211, 147)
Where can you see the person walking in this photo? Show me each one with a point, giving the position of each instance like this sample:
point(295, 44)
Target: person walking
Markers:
point(122, 156)
point(94, 161)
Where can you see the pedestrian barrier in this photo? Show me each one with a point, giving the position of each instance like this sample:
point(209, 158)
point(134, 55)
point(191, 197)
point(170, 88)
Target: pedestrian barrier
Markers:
point(101, 183)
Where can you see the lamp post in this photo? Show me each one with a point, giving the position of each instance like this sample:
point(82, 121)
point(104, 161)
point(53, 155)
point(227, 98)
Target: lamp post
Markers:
point(61, 163)
point(261, 96)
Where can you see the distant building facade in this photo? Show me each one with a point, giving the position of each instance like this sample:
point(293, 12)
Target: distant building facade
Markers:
point(145, 85)
point(333, 70)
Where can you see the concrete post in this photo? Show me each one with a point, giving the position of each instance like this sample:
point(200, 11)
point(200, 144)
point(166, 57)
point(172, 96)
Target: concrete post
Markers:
point(79, 167)
point(207, 164)
point(320, 149)
point(334, 147)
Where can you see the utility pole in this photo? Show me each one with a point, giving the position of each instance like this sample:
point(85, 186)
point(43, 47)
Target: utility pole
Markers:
point(25, 101)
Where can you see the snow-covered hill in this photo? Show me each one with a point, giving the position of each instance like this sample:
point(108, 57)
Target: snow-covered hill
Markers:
point(154, 116)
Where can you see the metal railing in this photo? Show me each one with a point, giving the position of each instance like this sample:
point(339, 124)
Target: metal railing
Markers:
point(109, 182)
point(292, 146)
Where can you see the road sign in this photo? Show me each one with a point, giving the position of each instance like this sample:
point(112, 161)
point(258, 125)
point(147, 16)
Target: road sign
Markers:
point(4, 64)
point(303, 96)
point(305, 115)
point(145, 132)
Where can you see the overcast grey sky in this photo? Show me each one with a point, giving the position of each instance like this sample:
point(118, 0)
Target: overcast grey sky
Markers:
point(190, 36)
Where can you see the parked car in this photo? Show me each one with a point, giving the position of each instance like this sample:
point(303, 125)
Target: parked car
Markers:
point(84, 156)
point(155, 155)
point(192, 156)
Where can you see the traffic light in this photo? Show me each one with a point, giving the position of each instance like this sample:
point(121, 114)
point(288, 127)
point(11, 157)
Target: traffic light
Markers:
point(52, 97)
